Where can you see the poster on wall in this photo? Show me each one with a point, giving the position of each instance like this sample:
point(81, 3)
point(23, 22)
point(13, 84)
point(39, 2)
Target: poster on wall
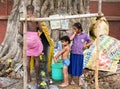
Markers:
point(55, 24)
point(64, 23)
point(108, 57)
point(59, 24)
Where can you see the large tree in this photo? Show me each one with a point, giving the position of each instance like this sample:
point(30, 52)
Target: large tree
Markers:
point(10, 47)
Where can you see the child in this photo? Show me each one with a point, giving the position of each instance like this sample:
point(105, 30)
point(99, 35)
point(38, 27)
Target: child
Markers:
point(65, 53)
point(80, 42)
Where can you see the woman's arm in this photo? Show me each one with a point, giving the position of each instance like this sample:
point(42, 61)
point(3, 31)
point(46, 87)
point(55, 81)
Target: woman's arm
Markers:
point(88, 44)
point(73, 35)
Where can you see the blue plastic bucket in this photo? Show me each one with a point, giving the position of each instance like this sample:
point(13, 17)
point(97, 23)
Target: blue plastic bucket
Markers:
point(57, 73)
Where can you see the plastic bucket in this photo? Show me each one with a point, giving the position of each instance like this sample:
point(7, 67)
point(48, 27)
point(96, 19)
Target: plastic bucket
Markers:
point(57, 73)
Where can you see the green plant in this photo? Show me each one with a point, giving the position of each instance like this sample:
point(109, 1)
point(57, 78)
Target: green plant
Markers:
point(42, 74)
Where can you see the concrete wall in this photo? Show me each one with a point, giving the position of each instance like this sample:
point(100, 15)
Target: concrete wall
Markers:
point(112, 12)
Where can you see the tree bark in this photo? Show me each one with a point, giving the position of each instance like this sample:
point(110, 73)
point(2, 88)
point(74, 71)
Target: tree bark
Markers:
point(10, 47)
point(9, 44)
point(44, 8)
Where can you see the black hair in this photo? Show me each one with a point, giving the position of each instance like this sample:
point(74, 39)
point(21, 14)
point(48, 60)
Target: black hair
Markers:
point(78, 26)
point(30, 7)
point(65, 38)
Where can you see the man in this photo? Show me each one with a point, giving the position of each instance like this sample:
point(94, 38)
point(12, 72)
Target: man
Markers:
point(34, 44)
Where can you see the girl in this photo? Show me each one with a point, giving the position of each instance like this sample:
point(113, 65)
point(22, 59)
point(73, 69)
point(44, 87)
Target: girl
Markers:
point(81, 41)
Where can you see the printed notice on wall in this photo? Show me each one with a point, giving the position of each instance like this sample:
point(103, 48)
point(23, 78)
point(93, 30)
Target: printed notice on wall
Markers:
point(55, 24)
point(59, 24)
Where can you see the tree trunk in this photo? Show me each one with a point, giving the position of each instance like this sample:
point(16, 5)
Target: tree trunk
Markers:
point(10, 47)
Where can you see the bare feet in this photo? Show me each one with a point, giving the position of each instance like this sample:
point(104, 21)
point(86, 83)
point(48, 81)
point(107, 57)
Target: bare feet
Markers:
point(64, 85)
point(72, 82)
point(29, 80)
point(80, 83)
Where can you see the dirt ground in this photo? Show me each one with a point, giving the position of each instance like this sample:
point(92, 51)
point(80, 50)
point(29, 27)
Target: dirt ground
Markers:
point(106, 81)
point(19, 85)
point(111, 81)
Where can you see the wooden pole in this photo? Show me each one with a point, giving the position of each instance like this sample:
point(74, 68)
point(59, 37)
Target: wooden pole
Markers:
point(96, 61)
point(100, 6)
point(57, 18)
point(24, 48)
point(24, 56)
point(60, 18)
point(97, 49)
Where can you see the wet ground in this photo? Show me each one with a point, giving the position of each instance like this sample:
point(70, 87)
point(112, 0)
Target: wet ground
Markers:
point(111, 82)
point(106, 81)
point(18, 84)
